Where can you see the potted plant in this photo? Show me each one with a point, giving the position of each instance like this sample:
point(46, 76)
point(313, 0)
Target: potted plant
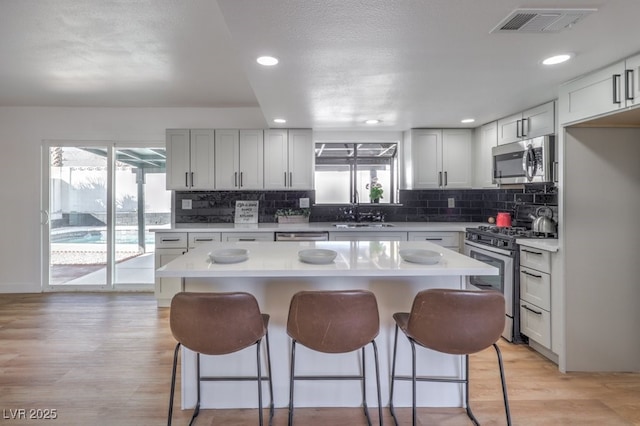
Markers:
point(375, 191)
point(292, 215)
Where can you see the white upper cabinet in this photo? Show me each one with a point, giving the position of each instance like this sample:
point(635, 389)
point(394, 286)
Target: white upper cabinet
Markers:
point(288, 159)
point(239, 159)
point(190, 159)
point(534, 122)
point(456, 158)
point(439, 158)
point(486, 139)
point(608, 90)
point(598, 93)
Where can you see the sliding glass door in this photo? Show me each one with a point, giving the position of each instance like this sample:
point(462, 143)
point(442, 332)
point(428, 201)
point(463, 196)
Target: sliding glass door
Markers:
point(99, 201)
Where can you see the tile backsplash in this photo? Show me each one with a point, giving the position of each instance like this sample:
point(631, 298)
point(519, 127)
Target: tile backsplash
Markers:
point(470, 205)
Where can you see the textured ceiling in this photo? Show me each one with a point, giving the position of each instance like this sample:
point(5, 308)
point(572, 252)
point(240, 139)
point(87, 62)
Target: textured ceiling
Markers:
point(410, 63)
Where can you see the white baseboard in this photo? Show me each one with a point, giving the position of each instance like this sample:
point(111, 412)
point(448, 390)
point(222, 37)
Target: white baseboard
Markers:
point(19, 288)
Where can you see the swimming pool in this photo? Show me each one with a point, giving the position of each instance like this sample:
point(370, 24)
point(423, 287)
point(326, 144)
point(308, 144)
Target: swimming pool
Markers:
point(99, 236)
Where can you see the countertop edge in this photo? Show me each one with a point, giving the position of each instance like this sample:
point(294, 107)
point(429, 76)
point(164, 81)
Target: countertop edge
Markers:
point(321, 227)
point(547, 244)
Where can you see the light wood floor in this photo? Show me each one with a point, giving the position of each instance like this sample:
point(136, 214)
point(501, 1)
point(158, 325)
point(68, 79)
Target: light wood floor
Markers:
point(105, 359)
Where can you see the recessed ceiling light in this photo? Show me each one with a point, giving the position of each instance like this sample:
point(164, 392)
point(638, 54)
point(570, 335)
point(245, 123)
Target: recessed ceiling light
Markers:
point(373, 121)
point(468, 120)
point(557, 59)
point(267, 61)
point(279, 120)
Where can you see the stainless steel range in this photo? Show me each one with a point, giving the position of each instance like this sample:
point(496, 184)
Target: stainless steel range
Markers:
point(497, 247)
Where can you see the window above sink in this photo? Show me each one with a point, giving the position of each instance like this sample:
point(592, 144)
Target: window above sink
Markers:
point(346, 172)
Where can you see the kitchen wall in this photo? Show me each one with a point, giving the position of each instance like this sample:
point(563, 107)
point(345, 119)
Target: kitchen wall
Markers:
point(471, 205)
point(601, 246)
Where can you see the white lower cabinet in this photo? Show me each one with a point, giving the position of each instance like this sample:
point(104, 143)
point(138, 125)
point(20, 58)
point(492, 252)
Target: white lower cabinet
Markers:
point(198, 238)
point(248, 236)
point(450, 240)
point(535, 295)
point(169, 246)
point(535, 323)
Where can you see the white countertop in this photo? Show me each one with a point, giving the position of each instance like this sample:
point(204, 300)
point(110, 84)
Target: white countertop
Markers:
point(355, 258)
point(318, 227)
point(547, 244)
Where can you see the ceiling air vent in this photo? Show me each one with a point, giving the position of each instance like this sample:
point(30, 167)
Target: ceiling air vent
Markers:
point(541, 20)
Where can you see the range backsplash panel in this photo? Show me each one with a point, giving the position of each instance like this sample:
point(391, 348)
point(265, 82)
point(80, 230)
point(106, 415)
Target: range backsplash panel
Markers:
point(471, 205)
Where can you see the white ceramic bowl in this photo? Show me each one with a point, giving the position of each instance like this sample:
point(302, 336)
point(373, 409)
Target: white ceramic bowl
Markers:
point(229, 255)
point(422, 256)
point(317, 256)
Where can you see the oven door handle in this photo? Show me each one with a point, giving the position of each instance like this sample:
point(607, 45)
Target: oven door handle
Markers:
point(488, 249)
point(483, 286)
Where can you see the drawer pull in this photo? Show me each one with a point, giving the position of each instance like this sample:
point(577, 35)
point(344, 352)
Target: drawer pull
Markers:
point(204, 239)
point(246, 239)
point(170, 240)
point(433, 239)
point(531, 310)
point(531, 275)
point(531, 252)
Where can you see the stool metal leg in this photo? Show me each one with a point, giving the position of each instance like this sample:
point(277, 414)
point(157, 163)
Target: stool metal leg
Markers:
point(413, 383)
point(196, 411)
point(393, 376)
point(504, 385)
point(291, 381)
point(466, 392)
point(375, 354)
point(364, 388)
point(271, 405)
point(173, 383)
point(259, 380)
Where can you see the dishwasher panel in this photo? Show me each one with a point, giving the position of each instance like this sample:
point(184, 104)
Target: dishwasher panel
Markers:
point(302, 236)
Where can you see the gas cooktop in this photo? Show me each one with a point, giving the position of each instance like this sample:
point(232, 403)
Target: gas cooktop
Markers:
point(502, 237)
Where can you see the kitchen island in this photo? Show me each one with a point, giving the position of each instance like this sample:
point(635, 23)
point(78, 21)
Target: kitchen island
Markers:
point(273, 273)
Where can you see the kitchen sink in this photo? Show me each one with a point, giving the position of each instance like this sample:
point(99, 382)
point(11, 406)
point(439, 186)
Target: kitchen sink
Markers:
point(363, 225)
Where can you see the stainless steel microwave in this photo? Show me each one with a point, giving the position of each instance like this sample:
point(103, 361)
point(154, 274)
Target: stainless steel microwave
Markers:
point(527, 161)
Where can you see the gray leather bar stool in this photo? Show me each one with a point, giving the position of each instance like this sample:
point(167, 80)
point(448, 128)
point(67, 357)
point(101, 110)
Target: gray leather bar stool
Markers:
point(458, 322)
point(334, 322)
point(219, 324)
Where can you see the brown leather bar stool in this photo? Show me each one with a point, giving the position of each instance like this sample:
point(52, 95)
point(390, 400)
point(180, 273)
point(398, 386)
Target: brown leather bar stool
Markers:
point(334, 322)
point(458, 322)
point(219, 324)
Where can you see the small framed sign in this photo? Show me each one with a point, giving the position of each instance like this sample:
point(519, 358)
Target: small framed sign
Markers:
point(246, 212)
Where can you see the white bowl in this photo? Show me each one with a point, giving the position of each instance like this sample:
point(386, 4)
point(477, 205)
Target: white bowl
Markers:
point(422, 256)
point(317, 256)
point(229, 255)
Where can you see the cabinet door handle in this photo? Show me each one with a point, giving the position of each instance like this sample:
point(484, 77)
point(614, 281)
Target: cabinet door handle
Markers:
point(186, 179)
point(628, 85)
point(241, 179)
point(531, 310)
point(446, 180)
point(290, 179)
point(235, 179)
point(531, 275)
point(191, 178)
point(518, 126)
point(285, 178)
point(525, 127)
point(616, 89)
point(531, 252)
point(439, 178)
